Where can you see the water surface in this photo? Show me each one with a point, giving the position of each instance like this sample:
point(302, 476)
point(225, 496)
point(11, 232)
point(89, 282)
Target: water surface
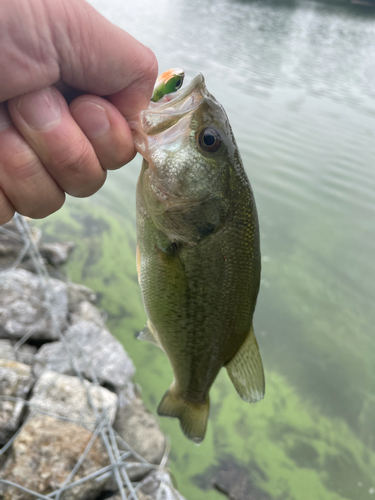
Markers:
point(297, 81)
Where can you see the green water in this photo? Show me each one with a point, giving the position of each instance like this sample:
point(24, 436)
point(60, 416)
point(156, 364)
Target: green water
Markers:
point(297, 81)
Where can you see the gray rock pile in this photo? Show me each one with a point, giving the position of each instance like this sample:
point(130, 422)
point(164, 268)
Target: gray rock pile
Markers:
point(70, 414)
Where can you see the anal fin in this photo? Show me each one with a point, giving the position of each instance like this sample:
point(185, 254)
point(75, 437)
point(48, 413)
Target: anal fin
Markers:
point(245, 370)
point(193, 416)
point(148, 334)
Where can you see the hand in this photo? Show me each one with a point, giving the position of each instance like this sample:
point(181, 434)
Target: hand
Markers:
point(49, 50)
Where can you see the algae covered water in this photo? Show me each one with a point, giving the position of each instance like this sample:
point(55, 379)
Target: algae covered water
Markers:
point(297, 81)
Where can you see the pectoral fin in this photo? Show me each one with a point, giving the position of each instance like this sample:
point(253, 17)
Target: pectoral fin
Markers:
point(245, 370)
point(148, 334)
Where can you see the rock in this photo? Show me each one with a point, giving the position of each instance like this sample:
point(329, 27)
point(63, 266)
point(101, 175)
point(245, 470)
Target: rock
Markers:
point(11, 242)
point(26, 305)
point(128, 394)
point(3, 458)
point(15, 382)
point(24, 353)
point(67, 396)
point(95, 350)
point(53, 356)
point(56, 254)
point(156, 486)
point(78, 293)
point(86, 311)
point(235, 481)
point(140, 430)
point(140, 496)
point(45, 452)
point(103, 352)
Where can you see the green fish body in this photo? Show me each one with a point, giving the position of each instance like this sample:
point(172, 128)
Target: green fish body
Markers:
point(198, 252)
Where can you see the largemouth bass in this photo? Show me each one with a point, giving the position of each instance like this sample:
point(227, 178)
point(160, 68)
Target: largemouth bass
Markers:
point(198, 254)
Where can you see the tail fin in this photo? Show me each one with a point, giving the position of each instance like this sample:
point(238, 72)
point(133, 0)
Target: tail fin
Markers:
point(193, 417)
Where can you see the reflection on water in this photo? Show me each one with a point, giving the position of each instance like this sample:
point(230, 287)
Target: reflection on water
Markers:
point(296, 79)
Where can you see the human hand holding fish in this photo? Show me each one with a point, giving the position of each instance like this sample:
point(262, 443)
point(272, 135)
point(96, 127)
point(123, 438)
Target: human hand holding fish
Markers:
point(197, 226)
point(50, 52)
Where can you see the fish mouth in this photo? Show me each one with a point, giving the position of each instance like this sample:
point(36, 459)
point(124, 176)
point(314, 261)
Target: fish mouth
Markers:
point(179, 100)
point(162, 115)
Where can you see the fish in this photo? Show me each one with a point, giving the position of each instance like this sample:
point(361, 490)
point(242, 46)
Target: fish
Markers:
point(168, 82)
point(198, 252)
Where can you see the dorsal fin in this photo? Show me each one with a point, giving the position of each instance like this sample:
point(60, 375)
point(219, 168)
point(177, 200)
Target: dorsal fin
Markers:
point(245, 370)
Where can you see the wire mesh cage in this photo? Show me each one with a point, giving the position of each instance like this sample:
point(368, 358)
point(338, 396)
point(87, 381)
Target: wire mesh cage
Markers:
point(69, 411)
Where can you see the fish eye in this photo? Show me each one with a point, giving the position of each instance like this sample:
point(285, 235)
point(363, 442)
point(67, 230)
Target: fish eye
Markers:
point(178, 84)
point(210, 140)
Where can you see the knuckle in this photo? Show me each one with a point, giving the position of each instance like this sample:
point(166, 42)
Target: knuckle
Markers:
point(21, 164)
point(76, 159)
point(78, 170)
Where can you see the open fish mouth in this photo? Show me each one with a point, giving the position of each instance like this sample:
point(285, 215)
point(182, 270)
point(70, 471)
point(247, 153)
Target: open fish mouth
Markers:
point(162, 115)
point(181, 100)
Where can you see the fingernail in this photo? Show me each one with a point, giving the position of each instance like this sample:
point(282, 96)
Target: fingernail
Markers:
point(92, 119)
point(4, 118)
point(40, 109)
